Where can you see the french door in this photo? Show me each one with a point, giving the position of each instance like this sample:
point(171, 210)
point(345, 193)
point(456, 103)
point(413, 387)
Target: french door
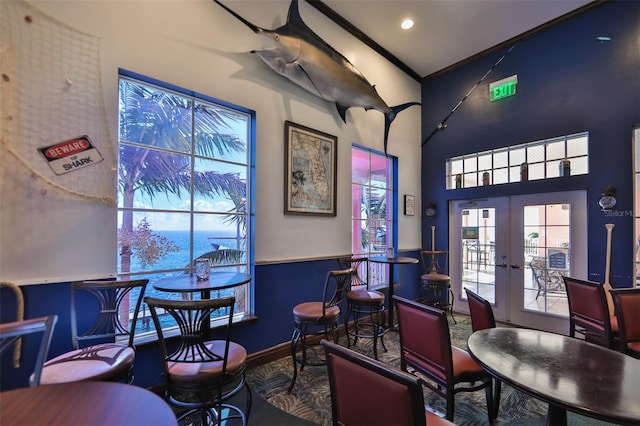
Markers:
point(513, 251)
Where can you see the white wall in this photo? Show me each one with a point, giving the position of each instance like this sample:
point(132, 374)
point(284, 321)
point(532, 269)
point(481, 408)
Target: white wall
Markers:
point(197, 45)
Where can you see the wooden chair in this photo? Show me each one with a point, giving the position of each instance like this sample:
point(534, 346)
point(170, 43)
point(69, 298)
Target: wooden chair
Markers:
point(100, 350)
point(365, 307)
point(588, 312)
point(313, 320)
point(627, 304)
point(11, 332)
point(425, 347)
point(434, 279)
point(481, 318)
point(202, 375)
point(367, 392)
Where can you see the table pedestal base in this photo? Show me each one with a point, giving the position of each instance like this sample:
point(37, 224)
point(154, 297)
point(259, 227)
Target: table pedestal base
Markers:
point(556, 416)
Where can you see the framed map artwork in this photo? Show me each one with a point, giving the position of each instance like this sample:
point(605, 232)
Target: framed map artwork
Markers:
point(310, 171)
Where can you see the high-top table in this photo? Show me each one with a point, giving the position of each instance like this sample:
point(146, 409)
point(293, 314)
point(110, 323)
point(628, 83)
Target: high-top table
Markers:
point(392, 261)
point(568, 373)
point(84, 403)
point(189, 283)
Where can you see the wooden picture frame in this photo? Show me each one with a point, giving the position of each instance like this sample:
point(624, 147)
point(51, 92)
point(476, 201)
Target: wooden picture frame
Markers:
point(409, 205)
point(310, 171)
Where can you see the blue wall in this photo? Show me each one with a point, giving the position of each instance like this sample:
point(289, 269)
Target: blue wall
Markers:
point(568, 82)
point(278, 287)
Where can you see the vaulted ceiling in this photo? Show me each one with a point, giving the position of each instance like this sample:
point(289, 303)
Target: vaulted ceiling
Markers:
point(445, 33)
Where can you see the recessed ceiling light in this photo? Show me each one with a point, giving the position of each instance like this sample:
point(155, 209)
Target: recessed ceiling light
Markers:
point(407, 24)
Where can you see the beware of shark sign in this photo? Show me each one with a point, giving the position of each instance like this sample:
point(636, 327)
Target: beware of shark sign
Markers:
point(70, 155)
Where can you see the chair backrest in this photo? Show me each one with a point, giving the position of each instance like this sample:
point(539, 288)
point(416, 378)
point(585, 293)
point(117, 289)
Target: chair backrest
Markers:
point(361, 266)
point(627, 307)
point(434, 261)
point(12, 331)
point(114, 319)
point(425, 342)
point(481, 311)
point(546, 279)
point(538, 267)
point(335, 287)
point(588, 305)
point(392, 397)
point(190, 316)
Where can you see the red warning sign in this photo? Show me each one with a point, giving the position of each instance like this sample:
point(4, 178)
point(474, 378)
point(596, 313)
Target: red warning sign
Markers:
point(70, 155)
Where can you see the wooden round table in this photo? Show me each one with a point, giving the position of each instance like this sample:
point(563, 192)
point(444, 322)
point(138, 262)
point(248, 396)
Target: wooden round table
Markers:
point(83, 404)
point(568, 373)
point(189, 283)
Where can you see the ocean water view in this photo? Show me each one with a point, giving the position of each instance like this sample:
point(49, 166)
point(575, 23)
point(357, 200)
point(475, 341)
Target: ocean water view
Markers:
point(177, 263)
point(203, 242)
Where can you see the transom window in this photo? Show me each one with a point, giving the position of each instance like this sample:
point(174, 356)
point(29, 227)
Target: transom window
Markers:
point(183, 187)
point(549, 158)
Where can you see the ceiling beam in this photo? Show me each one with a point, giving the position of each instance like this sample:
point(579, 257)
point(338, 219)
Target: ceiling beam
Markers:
point(353, 30)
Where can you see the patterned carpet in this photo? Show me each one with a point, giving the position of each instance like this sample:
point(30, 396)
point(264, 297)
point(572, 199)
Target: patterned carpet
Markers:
point(310, 398)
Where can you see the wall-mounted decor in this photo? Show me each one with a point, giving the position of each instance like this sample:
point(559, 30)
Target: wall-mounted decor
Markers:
point(297, 53)
point(409, 205)
point(430, 212)
point(310, 171)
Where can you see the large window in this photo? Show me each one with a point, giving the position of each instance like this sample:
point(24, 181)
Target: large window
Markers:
point(183, 186)
point(372, 208)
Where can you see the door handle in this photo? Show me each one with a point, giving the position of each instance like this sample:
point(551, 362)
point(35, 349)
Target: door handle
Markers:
point(502, 265)
point(514, 266)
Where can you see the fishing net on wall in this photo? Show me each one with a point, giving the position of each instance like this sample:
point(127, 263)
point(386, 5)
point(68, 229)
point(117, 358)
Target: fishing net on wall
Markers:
point(55, 139)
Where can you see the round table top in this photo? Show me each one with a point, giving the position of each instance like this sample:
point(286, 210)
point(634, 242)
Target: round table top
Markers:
point(564, 371)
point(84, 403)
point(189, 283)
point(395, 259)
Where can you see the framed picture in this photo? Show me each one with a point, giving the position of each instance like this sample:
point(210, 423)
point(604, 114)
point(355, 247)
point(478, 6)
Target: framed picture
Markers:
point(310, 171)
point(409, 205)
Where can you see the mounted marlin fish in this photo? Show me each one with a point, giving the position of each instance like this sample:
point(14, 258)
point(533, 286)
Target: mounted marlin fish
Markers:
point(297, 53)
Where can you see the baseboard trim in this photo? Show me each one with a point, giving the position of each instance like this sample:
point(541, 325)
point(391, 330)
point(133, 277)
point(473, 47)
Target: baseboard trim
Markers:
point(282, 350)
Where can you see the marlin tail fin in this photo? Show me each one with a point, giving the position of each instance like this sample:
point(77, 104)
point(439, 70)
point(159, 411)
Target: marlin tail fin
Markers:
point(389, 117)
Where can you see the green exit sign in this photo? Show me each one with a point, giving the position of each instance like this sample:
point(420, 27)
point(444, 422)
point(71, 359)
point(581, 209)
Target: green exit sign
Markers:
point(503, 88)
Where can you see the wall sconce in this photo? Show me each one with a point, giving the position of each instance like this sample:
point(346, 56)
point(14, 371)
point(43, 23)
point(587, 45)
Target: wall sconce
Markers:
point(430, 212)
point(607, 201)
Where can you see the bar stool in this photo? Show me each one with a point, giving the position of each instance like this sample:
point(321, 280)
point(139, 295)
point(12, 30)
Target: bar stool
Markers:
point(317, 319)
point(365, 307)
point(434, 278)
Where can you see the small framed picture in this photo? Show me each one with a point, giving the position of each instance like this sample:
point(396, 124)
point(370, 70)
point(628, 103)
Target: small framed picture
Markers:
point(409, 205)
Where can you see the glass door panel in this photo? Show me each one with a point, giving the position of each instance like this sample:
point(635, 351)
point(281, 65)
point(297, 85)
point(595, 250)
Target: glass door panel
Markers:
point(514, 251)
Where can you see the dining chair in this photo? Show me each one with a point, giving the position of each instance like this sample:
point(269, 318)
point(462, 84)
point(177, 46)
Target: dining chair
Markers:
point(364, 306)
point(435, 280)
point(627, 304)
point(202, 375)
point(482, 317)
point(588, 312)
point(317, 319)
point(102, 331)
point(425, 348)
point(12, 332)
point(367, 392)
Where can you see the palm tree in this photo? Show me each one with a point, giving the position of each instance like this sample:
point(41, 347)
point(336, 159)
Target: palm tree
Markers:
point(156, 126)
